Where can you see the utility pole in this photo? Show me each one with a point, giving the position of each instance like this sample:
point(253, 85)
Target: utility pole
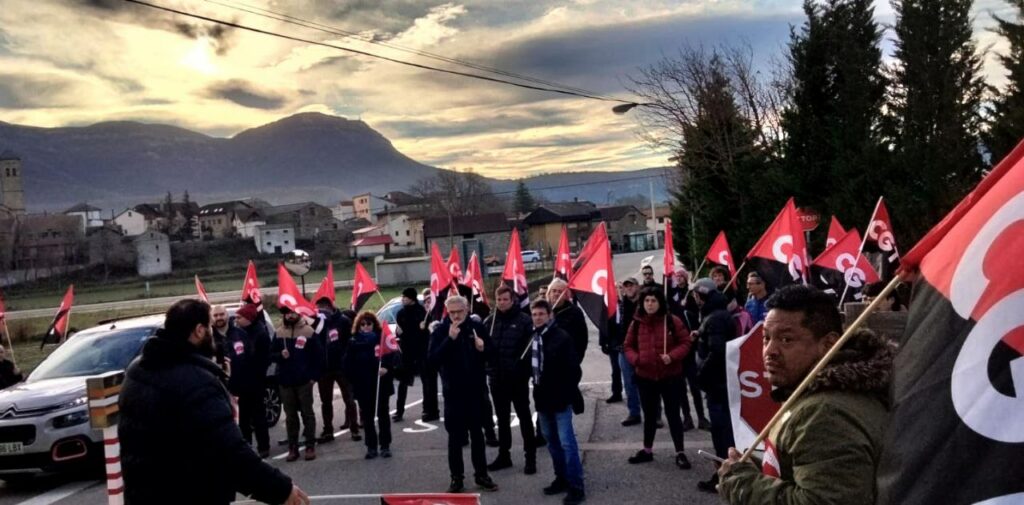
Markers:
point(654, 216)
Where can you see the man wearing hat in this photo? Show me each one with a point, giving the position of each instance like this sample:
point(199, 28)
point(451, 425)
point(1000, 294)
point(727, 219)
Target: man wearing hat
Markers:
point(413, 339)
point(300, 362)
point(249, 357)
point(335, 335)
point(627, 309)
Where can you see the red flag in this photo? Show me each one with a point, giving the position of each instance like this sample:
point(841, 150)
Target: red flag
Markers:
point(3, 310)
point(388, 341)
point(780, 256)
point(326, 289)
point(670, 253)
point(440, 277)
point(59, 327)
point(430, 499)
point(879, 236)
point(563, 261)
point(720, 254)
point(835, 232)
point(597, 237)
point(958, 383)
point(842, 265)
point(454, 265)
point(515, 271)
point(251, 287)
point(289, 296)
point(593, 285)
point(475, 279)
point(199, 289)
point(363, 287)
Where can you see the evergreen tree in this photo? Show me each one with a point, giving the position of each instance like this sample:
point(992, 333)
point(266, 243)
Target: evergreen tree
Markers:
point(1006, 121)
point(524, 200)
point(936, 111)
point(834, 152)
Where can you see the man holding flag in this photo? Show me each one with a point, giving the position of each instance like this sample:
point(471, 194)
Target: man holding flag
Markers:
point(336, 332)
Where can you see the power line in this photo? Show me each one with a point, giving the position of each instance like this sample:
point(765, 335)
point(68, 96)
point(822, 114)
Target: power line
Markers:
point(286, 18)
point(377, 56)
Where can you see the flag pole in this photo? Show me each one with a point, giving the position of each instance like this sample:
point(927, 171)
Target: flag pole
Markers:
point(10, 342)
point(376, 399)
point(530, 343)
point(665, 341)
point(860, 251)
point(381, 297)
point(812, 375)
point(494, 313)
point(737, 274)
point(696, 273)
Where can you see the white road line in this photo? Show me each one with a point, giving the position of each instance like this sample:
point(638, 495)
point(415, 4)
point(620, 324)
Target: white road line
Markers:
point(342, 432)
point(58, 494)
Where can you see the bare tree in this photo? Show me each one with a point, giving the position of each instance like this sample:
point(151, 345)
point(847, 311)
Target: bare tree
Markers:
point(455, 193)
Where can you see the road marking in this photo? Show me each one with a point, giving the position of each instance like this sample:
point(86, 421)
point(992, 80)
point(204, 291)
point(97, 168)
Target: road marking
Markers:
point(362, 496)
point(342, 432)
point(58, 494)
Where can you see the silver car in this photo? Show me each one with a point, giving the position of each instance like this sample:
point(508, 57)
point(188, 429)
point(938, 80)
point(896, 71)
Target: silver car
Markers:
point(44, 421)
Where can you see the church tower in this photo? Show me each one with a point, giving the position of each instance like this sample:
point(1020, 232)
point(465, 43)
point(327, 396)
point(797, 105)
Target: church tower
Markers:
point(12, 194)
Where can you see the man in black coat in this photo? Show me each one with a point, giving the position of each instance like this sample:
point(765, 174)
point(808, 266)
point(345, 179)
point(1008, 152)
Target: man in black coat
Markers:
point(509, 371)
point(9, 373)
point(249, 357)
point(335, 336)
point(179, 441)
point(556, 377)
point(458, 347)
point(413, 339)
point(568, 316)
point(300, 362)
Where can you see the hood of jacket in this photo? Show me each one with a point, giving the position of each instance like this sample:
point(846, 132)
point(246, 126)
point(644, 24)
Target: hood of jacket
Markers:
point(716, 301)
point(863, 365)
point(160, 353)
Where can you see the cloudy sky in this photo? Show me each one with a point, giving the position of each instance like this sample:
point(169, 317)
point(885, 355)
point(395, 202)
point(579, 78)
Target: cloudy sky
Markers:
point(77, 62)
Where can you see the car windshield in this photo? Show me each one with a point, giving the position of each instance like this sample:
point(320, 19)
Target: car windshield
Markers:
point(389, 312)
point(93, 354)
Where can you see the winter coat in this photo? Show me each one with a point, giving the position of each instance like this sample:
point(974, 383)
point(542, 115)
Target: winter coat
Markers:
point(8, 376)
point(413, 340)
point(250, 357)
point(561, 373)
point(646, 342)
point(336, 334)
point(572, 321)
point(361, 365)
point(627, 309)
point(306, 358)
point(461, 366)
point(756, 308)
point(179, 440)
point(716, 328)
point(827, 448)
point(509, 339)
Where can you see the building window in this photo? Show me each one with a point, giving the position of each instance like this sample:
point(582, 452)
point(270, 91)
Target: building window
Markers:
point(158, 260)
point(268, 244)
point(268, 233)
point(286, 232)
point(285, 241)
point(406, 233)
point(396, 233)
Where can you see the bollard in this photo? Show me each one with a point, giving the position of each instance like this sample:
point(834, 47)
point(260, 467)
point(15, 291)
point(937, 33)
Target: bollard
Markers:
point(103, 392)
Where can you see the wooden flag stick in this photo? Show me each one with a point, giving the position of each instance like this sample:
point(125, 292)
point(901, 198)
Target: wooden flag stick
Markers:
point(381, 298)
point(667, 313)
point(557, 301)
point(821, 364)
point(737, 274)
point(10, 342)
point(696, 273)
point(376, 400)
point(494, 314)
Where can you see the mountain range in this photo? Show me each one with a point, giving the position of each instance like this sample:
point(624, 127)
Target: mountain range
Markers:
point(307, 156)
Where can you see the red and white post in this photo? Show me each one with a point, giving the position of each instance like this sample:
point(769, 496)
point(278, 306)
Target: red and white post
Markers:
point(112, 455)
point(103, 393)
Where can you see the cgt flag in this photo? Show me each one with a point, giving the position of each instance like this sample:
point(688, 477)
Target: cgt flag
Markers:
point(363, 288)
point(563, 260)
point(201, 290)
point(515, 272)
point(289, 296)
point(388, 341)
point(841, 270)
point(720, 254)
point(780, 256)
point(879, 238)
point(475, 280)
point(593, 286)
point(251, 287)
point(455, 266)
point(956, 434)
point(750, 403)
point(58, 330)
point(597, 237)
point(835, 232)
point(440, 279)
point(669, 267)
point(326, 289)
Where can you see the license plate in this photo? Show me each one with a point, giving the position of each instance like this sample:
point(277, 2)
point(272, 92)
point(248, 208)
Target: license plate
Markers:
point(10, 448)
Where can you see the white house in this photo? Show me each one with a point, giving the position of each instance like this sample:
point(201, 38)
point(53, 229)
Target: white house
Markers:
point(406, 231)
point(153, 254)
point(89, 215)
point(344, 210)
point(275, 238)
point(246, 222)
point(132, 222)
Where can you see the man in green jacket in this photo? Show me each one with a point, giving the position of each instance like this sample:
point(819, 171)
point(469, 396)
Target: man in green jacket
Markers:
point(825, 449)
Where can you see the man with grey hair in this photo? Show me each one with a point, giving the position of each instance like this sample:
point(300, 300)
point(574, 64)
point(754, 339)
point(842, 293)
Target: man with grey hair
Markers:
point(458, 349)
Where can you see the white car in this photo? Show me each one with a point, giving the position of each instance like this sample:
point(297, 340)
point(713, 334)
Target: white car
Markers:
point(530, 256)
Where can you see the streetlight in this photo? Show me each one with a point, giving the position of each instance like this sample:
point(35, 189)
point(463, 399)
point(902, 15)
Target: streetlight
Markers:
point(624, 108)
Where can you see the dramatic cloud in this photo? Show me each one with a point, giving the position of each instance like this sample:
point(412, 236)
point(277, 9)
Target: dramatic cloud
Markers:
point(246, 95)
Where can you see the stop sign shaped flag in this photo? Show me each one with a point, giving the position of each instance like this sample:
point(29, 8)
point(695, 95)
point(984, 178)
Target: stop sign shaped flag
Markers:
point(750, 402)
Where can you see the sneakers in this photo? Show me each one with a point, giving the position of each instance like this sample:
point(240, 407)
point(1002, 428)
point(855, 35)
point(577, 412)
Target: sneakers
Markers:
point(710, 485)
point(682, 462)
point(632, 421)
point(356, 437)
point(293, 454)
point(385, 452)
point(687, 424)
point(486, 483)
point(531, 465)
point(325, 437)
point(641, 456)
point(704, 424)
point(430, 417)
point(310, 454)
point(574, 497)
point(397, 418)
point(557, 486)
point(502, 462)
point(614, 399)
point(371, 454)
point(456, 486)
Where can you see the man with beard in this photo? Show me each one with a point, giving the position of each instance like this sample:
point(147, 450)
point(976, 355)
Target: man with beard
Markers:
point(250, 357)
point(176, 424)
point(300, 362)
point(336, 333)
point(220, 336)
point(572, 321)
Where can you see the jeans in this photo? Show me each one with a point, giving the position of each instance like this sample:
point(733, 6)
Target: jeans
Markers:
point(613, 356)
point(652, 393)
point(326, 388)
point(381, 432)
point(565, 454)
point(632, 395)
point(721, 426)
point(298, 399)
point(509, 393)
point(690, 372)
point(458, 420)
point(252, 418)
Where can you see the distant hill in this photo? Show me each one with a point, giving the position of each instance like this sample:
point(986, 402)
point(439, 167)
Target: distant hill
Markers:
point(308, 156)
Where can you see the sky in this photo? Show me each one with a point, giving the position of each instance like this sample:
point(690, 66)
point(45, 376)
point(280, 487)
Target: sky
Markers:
point(79, 62)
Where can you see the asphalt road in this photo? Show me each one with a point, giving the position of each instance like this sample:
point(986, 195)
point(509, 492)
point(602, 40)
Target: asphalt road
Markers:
point(419, 463)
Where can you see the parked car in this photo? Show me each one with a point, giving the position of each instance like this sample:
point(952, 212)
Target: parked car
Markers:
point(44, 421)
point(531, 256)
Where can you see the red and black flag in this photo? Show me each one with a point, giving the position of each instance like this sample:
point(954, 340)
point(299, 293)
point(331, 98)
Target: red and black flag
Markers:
point(781, 254)
point(879, 238)
point(58, 330)
point(840, 269)
point(563, 260)
point(326, 288)
point(514, 274)
point(956, 430)
point(720, 254)
point(289, 296)
point(596, 238)
point(251, 287)
point(363, 288)
point(835, 232)
point(440, 280)
point(593, 285)
point(201, 290)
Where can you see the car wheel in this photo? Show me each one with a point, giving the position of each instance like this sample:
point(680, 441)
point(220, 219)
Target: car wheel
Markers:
point(272, 405)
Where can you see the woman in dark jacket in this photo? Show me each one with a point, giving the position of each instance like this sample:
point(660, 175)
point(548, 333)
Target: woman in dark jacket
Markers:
point(656, 350)
point(364, 369)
